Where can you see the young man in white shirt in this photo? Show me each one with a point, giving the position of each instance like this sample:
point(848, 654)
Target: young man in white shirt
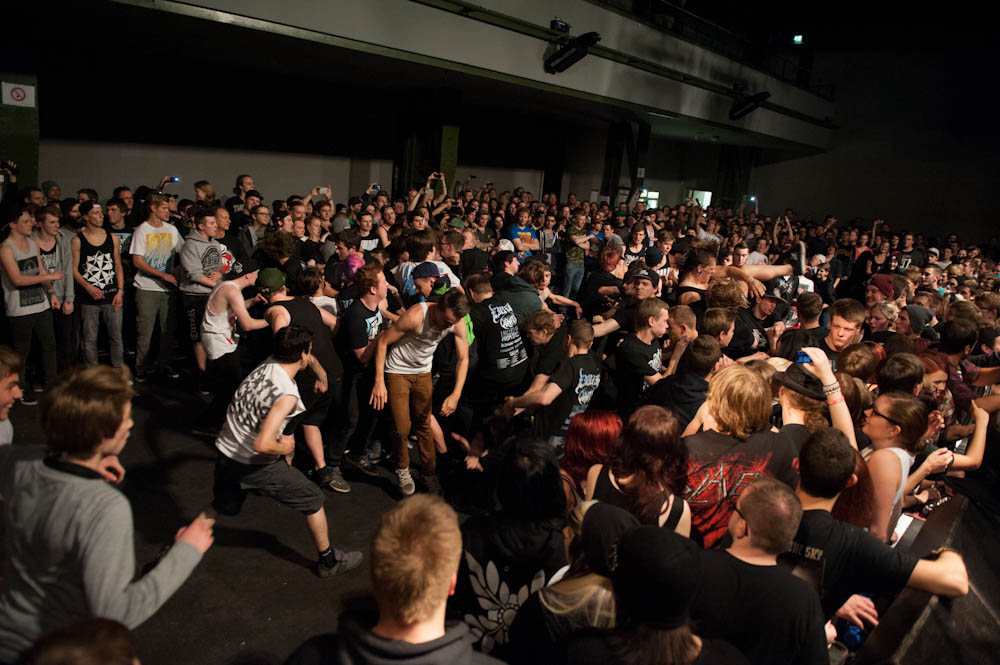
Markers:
point(154, 251)
point(255, 448)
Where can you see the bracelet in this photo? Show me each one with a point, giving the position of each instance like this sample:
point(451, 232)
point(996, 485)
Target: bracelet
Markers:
point(831, 388)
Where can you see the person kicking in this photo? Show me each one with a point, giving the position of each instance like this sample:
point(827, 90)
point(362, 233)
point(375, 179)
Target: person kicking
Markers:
point(255, 451)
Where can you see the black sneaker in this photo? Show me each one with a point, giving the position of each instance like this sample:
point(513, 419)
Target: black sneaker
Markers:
point(29, 398)
point(432, 484)
point(139, 376)
point(345, 561)
point(330, 476)
point(362, 464)
point(168, 371)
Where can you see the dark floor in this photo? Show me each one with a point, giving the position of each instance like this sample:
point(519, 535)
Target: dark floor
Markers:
point(254, 597)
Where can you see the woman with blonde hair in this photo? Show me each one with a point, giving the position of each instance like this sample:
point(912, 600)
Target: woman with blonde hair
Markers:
point(205, 194)
point(737, 445)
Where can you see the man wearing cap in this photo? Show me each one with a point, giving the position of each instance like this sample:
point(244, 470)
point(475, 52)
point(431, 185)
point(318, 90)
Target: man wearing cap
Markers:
point(320, 383)
point(757, 328)
point(878, 290)
point(639, 285)
point(425, 276)
point(761, 609)
point(244, 217)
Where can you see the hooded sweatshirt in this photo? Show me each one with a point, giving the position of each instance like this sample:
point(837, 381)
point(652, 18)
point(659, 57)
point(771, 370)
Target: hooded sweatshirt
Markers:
point(199, 257)
point(523, 297)
point(356, 644)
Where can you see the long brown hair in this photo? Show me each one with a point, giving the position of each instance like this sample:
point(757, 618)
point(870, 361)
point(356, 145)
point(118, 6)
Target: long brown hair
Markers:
point(854, 505)
point(652, 456)
point(645, 645)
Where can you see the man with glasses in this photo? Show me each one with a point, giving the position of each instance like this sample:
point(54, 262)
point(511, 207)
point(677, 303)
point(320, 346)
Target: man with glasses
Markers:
point(752, 603)
point(250, 235)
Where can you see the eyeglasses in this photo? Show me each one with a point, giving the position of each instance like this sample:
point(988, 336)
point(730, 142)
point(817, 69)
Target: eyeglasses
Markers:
point(876, 412)
point(733, 500)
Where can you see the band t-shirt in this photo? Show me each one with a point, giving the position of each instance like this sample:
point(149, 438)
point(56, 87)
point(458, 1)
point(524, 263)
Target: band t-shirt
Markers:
point(358, 326)
point(764, 611)
point(246, 413)
point(635, 361)
point(842, 560)
point(502, 356)
point(578, 377)
point(720, 467)
point(524, 234)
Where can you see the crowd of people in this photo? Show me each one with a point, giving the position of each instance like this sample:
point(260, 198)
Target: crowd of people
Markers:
point(677, 435)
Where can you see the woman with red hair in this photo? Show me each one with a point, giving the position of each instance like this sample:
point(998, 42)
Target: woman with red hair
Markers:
point(590, 440)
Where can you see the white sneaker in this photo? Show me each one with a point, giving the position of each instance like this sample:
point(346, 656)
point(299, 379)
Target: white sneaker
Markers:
point(406, 485)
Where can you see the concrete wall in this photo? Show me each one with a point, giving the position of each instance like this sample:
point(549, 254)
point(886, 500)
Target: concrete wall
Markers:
point(410, 27)
point(104, 166)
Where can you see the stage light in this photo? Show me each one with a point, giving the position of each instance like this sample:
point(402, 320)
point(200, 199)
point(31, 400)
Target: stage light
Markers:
point(571, 53)
point(797, 39)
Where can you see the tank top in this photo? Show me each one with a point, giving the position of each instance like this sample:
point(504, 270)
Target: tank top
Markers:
point(25, 300)
point(681, 290)
point(414, 353)
point(219, 334)
point(605, 491)
point(905, 462)
point(304, 313)
point(97, 267)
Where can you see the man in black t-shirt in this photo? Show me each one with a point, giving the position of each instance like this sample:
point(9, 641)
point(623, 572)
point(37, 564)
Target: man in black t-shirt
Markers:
point(360, 325)
point(638, 363)
point(756, 328)
point(752, 603)
point(568, 390)
point(842, 559)
point(503, 359)
point(846, 317)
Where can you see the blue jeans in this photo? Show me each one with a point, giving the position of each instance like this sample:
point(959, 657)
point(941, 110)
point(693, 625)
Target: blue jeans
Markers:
point(572, 279)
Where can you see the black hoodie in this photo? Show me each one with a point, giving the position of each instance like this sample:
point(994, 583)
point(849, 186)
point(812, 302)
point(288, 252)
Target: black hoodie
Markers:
point(356, 644)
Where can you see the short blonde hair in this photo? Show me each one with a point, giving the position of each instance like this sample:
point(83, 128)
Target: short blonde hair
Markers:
point(739, 400)
point(415, 556)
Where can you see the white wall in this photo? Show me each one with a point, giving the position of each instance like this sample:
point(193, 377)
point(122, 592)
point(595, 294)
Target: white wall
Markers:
point(502, 179)
point(104, 166)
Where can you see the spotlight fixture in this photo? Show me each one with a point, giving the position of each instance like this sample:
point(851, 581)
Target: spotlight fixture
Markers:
point(744, 104)
point(559, 25)
point(571, 52)
point(797, 40)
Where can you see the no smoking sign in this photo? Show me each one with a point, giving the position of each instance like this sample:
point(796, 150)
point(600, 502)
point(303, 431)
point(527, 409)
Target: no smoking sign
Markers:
point(18, 94)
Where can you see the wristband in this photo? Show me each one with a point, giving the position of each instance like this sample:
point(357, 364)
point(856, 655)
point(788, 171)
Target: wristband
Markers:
point(832, 402)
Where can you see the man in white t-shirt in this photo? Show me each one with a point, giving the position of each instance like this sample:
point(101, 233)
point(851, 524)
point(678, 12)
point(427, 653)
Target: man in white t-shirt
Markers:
point(154, 252)
point(255, 452)
point(10, 390)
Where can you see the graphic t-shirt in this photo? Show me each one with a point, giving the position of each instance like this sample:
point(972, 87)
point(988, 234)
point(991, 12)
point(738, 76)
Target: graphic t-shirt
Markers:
point(24, 300)
point(635, 360)
point(574, 253)
point(578, 377)
point(158, 247)
point(764, 611)
point(97, 267)
point(842, 560)
point(252, 402)
point(502, 356)
point(358, 326)
point(720, 467)
point(525, 234)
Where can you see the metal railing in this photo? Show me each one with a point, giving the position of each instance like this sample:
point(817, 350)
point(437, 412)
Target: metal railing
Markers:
point(666, 16)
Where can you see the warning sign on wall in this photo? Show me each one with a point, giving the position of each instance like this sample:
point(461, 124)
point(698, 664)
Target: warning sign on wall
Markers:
point(18, 94)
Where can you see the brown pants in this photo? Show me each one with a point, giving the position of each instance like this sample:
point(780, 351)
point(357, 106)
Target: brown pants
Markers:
point(410, 400)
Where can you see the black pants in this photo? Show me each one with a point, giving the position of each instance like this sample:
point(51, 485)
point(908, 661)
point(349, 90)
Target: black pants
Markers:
point(23, 329)
point(225, 374)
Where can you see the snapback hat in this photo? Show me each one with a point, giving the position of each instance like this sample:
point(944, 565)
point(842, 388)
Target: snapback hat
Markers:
point(270, 280)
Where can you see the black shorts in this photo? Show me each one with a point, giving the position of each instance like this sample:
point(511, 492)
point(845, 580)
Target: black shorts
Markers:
point(277, 480)
point(194, 308)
